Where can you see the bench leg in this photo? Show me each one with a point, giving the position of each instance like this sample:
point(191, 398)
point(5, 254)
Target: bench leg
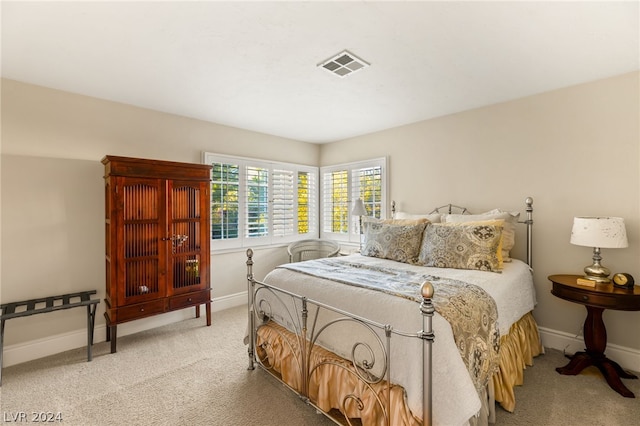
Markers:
point(91, 321)
point(1, 347)
point(207, 307)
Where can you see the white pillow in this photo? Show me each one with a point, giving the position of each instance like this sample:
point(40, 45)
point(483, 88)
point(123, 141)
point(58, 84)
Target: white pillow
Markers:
point(508, 231)
point(433, 217)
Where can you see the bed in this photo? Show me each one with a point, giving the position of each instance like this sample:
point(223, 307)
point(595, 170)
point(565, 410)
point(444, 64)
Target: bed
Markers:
point(403, 333)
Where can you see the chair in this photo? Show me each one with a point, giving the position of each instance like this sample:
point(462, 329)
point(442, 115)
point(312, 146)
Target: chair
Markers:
point(312, 249)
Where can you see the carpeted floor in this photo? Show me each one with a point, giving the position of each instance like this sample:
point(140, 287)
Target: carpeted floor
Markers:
point(186, 373)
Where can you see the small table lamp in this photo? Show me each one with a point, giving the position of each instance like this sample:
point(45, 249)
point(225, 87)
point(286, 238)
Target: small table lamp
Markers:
point(599, 232)
point(359, 210)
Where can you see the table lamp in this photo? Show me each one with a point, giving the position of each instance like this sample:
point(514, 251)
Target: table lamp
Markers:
point(359, 210)
point(598, 232)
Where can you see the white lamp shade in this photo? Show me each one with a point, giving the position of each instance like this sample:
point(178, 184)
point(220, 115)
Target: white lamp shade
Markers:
point(358, 208)
point(601, 232)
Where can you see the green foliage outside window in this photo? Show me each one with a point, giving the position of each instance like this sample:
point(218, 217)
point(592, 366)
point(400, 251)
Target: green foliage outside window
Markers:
point(366, 184)
point(225, 183)
point(303, 202)
point(257, 202)
point(370, 184)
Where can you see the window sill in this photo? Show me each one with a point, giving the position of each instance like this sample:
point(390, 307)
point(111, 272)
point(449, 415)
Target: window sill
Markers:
point(244, 249)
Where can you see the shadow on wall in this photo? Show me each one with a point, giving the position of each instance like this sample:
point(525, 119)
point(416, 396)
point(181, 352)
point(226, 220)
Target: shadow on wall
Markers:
point(53, 237)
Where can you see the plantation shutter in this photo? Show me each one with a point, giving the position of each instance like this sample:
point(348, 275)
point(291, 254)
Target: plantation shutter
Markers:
point(307, 203)
point(284, 214)
point(336, 201)
point(342, 185)
point(255, 202)
point(257, 213)
point(225, 184)
point(367, 185)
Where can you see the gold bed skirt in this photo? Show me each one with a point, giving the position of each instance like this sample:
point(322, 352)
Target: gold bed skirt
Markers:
point(333, 381)
point(517, 350)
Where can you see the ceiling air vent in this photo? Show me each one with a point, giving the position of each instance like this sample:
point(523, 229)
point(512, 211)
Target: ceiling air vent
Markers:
point(343, 64)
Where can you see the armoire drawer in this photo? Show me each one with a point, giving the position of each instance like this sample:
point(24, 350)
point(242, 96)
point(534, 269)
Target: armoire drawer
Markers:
point(140, 310)
point(191, 299)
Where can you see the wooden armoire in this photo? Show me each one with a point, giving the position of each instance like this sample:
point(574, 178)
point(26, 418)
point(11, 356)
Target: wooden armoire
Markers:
point(157, 239)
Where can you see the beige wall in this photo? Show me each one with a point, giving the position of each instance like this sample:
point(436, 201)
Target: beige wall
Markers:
point(575, 151)
point(53, 195)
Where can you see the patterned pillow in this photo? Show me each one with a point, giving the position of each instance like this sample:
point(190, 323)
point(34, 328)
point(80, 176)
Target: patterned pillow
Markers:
point(368, 220)
point(396, 242)
point(499, 222)
point(461, 247)
point(508, 232)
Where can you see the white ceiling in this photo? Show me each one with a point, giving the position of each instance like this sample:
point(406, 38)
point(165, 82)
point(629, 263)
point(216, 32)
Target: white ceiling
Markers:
point(253, 65)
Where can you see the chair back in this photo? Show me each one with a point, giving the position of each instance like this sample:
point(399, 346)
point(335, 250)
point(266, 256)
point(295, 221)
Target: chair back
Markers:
point(312, 249)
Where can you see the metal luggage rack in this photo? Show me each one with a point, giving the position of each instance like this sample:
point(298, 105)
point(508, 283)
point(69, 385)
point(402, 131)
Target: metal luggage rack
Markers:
point(49, 304)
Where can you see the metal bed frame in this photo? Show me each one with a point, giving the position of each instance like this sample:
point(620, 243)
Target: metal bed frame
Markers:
point(304, 320)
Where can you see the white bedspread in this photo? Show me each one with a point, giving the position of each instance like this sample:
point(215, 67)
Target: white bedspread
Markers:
point(455, 399)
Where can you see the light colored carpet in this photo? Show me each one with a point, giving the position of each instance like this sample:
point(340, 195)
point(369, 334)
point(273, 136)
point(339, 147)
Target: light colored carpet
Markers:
point(189, 374)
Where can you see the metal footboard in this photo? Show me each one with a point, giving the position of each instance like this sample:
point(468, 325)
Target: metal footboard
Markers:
point(369, 360)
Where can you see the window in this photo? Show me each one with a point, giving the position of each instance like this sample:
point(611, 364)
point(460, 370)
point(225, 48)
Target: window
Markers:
point(225, 187)
point(341, 186)
point(256, 202)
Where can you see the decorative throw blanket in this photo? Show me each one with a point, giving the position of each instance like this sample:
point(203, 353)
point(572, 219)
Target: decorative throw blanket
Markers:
point(470, 311)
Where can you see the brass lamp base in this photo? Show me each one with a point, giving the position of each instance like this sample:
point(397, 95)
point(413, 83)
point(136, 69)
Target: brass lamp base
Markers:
point(596, 272)
point(598, 279)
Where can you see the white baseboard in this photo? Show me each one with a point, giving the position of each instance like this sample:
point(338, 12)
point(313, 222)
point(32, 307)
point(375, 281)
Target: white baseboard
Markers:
point(39, 348)
point(231, 301)
point(628, 358)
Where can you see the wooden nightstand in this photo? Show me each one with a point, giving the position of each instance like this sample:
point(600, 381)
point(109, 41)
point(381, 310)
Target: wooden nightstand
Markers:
point(596, 300)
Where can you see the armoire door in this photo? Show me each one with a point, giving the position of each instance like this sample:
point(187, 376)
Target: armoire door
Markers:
point(188, 236)
point(142, 270)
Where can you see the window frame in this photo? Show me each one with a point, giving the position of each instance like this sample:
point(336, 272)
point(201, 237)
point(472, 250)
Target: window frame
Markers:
point(352, 235)
point(245, 241)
